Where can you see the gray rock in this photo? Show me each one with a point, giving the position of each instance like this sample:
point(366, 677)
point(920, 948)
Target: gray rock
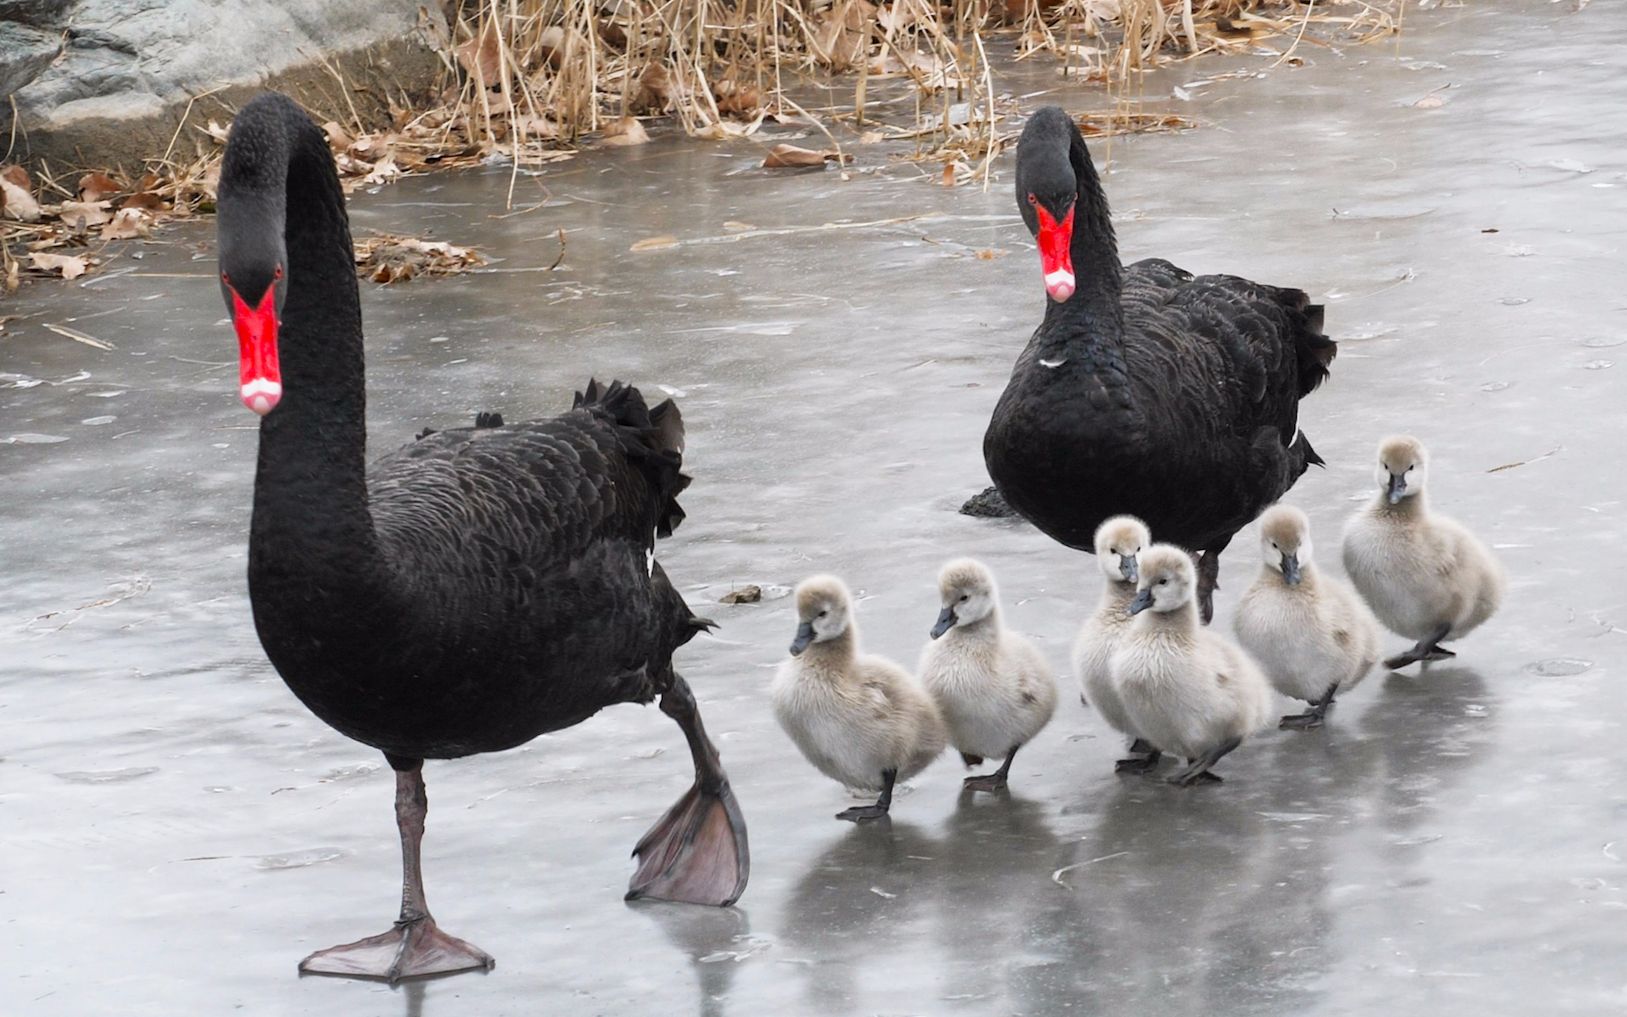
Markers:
point(129, 69)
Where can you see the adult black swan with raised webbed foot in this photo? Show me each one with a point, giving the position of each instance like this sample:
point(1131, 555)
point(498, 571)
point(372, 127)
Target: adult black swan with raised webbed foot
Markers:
point(1145, 391)
point(465, 593)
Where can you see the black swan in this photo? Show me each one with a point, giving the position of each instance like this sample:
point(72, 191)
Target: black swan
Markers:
point(465, 593)
point(1145, 391)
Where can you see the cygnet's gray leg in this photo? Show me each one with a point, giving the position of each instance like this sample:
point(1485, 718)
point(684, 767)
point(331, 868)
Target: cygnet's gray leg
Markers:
point(1198, 769)
point(1313, 717)
point(1208, 583)
point(1144, 758)
point(1427, 648)
point(860, 813)
point(995, 781)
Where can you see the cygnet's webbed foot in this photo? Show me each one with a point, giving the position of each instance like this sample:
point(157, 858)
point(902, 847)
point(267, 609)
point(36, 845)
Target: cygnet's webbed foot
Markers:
point(1426, 649)
point(1143, 760)
point(863, 813)
point(1191, 775)
point(415, 948)
point(1312, 718)
point(995, 781)
point(986, 782)
point(697, 852)
point(1418, 653)
point(1197, 770)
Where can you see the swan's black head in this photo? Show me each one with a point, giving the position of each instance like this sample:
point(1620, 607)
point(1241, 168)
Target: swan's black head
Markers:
point(1047, 191)
point(253, 262)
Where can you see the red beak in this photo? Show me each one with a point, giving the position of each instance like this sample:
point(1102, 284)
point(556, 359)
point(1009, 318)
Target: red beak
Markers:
point(259, 377)
point(1056, 253)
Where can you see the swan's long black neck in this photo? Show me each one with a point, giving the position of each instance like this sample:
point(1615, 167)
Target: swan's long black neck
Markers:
point(1093, 317)
point(310, 491)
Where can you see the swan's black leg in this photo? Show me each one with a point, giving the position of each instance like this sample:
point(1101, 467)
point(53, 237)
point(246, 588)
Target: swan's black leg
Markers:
point(1208, 582)
point(860, 813)
point(1198, 769)
point(1426, 649)
point(995, 781)
point(1143, 759)
point(1313, 717)
point(697, 852)
point(415, 946)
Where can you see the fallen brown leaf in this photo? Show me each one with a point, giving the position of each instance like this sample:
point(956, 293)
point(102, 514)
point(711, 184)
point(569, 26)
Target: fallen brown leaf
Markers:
point(737, 101)
point(81, 215)
point(96, 186)
point(655, 243)
point(339, 139)
point(656, 91)
point(481, 57)
point(749, 594)
point(127, 223)
point(144, 200)
point(790, 156)
point(558, 44)
point(383, 171)
point(16, 196)
point(626, 131)
point(69, 266)
point(990, 253)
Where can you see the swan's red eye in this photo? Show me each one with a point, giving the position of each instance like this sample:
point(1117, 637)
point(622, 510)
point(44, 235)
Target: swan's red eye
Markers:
point(277, 274)
point(225, 278)
point(1031, 199)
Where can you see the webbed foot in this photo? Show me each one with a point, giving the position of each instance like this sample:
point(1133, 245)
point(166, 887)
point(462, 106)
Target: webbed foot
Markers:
point(413, 949)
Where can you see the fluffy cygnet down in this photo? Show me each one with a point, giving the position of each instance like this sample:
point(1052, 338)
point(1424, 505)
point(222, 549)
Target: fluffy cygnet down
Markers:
point(994, 688)
point(861, 720)
point(1310, 632)
point(1118, 541)
point(1425, 576)
point(1188, 690)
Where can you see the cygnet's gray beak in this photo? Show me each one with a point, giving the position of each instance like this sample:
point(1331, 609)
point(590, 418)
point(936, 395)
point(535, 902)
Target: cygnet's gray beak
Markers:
point(805, 635)
point(1127, 568)
point(1142, 601)
point(1290, 569)
point(946, 621)
point(1398, 487)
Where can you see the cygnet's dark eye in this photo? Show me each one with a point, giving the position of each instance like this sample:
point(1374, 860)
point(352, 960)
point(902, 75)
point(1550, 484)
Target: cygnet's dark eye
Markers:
point(965, 597)
point(824, 612)
point(1412, 467)
point(1164, 581)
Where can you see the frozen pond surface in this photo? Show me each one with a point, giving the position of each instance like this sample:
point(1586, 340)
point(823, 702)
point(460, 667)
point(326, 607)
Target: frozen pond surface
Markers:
point(176, 831)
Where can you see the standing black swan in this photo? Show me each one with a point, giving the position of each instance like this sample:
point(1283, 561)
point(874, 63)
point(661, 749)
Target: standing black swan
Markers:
point(465, 593)
point(1145, 391)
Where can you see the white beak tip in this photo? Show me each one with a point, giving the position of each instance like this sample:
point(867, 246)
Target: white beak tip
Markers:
point(261, 395)
point(1059, 284)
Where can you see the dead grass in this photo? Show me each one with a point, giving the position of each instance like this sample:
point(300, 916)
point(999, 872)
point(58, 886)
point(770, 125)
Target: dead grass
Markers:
point(530, 81)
